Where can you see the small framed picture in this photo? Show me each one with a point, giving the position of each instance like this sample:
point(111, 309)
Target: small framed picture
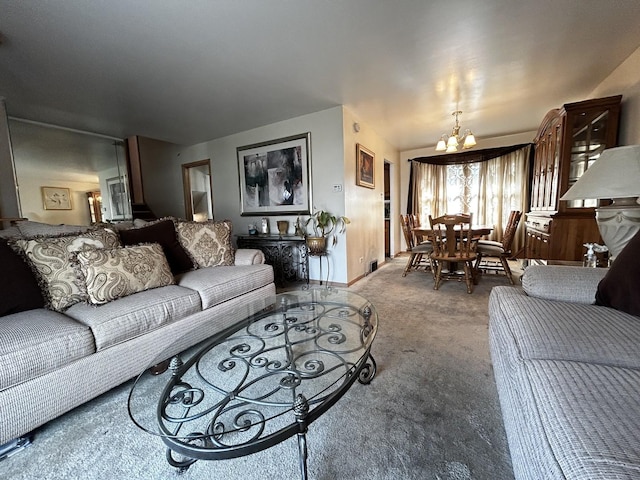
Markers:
point(365, 167)
point(56, 198)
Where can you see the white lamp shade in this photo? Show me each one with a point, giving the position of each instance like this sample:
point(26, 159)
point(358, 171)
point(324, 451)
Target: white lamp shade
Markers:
point(469, 140)
point(616, 174)
point(441, 146)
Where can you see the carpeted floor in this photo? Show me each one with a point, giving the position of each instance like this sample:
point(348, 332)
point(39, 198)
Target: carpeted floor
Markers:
point(431, 412)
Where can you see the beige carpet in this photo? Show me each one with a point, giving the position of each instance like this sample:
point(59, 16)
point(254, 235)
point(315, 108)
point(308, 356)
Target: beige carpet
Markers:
point(431, 412)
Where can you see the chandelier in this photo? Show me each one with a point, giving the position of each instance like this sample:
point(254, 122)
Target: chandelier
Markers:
point(450, 143)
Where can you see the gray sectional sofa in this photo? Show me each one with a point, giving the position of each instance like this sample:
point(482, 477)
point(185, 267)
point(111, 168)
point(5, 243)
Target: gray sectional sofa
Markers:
point(53, 361)
point(568, 376)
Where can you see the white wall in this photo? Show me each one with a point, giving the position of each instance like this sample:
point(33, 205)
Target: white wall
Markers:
point(625, 80)
point(327, 169)
point(365, 206)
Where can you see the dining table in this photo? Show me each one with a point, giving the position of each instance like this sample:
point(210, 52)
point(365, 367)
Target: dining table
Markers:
point(477, 231)
point(421, 234)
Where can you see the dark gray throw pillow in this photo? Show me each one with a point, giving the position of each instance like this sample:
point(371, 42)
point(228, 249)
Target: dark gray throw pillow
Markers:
point(19, 289)
point(164, 233)
point(620, 287)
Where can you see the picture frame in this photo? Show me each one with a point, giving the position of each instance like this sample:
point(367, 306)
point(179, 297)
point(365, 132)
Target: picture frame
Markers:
point(56, 198)
point(275, 176)
point(118, 197)
point(365, 167)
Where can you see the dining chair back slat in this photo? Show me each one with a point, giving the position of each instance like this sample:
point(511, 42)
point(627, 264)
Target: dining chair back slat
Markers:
point(453, 243)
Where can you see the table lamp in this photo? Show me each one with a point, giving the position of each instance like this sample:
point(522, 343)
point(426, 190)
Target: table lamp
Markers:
point(614, 175)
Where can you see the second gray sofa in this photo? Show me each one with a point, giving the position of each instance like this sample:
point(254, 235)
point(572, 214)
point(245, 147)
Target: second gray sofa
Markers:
point(568, 377)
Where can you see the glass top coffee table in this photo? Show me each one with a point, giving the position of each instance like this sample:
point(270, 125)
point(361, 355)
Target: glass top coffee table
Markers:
point(260, 382)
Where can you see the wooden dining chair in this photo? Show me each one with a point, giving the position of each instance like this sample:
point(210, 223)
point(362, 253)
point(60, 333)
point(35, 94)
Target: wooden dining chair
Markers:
point(418, 252)
point(453, 244)
point(500, 250)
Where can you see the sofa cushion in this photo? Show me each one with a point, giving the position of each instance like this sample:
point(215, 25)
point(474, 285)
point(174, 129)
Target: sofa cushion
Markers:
point(219, 284)
point(112, 273)
point(590, 415)
point(164, 233)
point(19, 289)
point(135, 315)
point(208, 243)
point(562, 283)
point(544, 329)
point(29, 228)
point(10, 232)
point(38, 341)
point(619, 288)
point(52, 259)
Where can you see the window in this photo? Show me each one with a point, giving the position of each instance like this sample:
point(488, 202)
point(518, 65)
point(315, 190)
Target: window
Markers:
point(488, 189)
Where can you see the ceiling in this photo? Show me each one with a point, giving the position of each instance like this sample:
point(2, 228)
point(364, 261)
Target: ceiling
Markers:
point(188, 72)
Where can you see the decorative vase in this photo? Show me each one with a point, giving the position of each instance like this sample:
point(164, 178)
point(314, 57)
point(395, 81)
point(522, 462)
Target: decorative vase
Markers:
point(283, 226)
point(316, 245)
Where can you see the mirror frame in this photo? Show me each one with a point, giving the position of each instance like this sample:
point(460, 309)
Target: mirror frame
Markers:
point(186, 186)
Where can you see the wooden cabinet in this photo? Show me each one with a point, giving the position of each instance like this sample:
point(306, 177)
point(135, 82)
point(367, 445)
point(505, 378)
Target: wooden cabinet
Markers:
point(568, 141)
point(287, 254)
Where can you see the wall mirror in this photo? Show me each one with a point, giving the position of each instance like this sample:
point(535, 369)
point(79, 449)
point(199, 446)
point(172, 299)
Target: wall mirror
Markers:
point(198, 200)
point(92, 167)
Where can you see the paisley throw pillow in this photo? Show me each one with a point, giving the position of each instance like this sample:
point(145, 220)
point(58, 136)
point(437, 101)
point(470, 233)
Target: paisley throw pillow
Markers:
point(51, 258)
point(118, 272)
point(207, 243)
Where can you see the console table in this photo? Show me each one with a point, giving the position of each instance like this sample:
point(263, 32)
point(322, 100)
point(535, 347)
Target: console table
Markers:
point(287, 254)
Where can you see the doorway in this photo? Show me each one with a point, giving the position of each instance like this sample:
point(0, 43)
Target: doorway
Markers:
point(387, 209)
point(198, 199)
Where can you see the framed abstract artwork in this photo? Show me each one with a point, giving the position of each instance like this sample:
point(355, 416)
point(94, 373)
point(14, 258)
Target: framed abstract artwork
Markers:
point(365, 167)
point(56, 198)
point(275, 178)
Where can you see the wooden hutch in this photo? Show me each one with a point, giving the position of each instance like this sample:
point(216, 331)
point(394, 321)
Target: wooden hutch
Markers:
point(568, 141)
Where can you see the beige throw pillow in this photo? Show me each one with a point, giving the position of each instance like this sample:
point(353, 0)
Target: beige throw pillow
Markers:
point(118, 272)
point(52, 257)
point(207, 243)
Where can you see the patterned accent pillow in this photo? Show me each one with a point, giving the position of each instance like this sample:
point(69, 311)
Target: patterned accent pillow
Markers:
point(207, 243)
point(118, 272)
point(51, 258)
point(164, 233)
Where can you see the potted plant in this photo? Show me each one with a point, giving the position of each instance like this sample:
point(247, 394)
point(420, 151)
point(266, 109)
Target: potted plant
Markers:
point(323, 224)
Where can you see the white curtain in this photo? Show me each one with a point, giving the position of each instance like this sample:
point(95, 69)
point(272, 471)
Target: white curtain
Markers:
point(489, 190)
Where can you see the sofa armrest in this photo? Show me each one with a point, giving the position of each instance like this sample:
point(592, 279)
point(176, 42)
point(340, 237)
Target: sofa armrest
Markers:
point(249, 256)
point(563, 283)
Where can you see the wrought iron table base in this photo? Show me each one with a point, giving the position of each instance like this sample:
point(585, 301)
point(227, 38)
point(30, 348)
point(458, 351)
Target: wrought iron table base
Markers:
point(300, 409)
point(259, 383)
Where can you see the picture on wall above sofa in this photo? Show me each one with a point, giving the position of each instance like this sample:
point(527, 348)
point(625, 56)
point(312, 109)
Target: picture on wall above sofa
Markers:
point(275, 177)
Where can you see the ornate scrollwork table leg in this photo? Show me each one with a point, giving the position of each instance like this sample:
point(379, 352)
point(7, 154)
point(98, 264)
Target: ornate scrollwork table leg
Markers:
point(368, 371)
point(301, 408)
